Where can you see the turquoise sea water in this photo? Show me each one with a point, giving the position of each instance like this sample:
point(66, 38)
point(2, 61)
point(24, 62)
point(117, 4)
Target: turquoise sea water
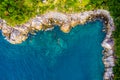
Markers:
point(54, 55)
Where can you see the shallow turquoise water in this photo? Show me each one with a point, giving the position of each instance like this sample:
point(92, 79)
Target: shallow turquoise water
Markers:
point(54, 55)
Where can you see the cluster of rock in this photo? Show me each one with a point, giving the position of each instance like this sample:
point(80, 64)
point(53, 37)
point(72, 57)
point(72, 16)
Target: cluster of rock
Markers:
point(108, 45)
point(20, 33)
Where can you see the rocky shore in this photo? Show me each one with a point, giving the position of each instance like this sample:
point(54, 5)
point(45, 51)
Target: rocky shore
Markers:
point(20, 33)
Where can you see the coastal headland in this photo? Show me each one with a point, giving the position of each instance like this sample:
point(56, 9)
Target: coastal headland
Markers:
point(20, 33)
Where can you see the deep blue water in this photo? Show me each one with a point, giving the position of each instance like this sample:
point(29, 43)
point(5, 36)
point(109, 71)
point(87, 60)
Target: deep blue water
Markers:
point(54, 55)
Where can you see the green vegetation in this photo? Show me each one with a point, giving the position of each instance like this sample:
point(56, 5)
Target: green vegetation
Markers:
point(16, 11)
point(20, 11)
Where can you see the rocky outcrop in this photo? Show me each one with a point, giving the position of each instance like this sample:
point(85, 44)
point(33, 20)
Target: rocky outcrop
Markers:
point(19, 33)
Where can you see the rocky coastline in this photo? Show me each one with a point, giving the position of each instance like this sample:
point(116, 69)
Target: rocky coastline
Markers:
point(19, 33)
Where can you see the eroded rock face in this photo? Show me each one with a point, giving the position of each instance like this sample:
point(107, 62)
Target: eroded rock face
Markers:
point(65, 21)
point(65, 28)
point(1, 21)
point(17, 37)
point(18, 34)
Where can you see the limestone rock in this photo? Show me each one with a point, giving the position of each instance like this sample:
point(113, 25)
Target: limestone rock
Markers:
point(65, 28)
point(16, 37)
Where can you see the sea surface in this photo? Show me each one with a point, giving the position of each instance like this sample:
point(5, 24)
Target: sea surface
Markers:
point(54, 55)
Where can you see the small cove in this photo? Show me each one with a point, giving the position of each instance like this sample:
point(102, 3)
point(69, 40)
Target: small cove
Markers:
point(54, 55)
